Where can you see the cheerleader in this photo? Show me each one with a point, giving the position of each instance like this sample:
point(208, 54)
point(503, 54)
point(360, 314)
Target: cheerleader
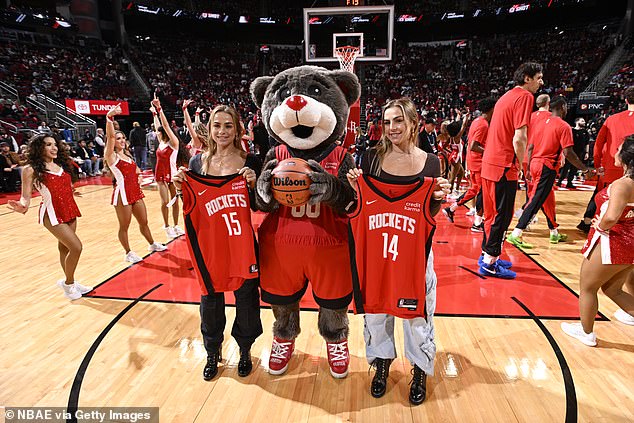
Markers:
point(169, 156)
point(197, 130)
point(48, 170)
point(608, 262)
point(127, 197)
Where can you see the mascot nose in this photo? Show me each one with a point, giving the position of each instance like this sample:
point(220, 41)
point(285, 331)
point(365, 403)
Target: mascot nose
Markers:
point(296, 102)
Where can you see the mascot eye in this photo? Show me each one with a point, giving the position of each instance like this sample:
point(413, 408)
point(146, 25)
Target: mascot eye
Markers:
point(314, 90)
point(284, 93)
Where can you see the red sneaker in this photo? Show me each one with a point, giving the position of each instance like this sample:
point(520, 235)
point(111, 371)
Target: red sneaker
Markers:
point(338, 358)
point(281, 352)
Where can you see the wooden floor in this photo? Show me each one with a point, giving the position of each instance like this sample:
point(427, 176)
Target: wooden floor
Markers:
point(487, 369)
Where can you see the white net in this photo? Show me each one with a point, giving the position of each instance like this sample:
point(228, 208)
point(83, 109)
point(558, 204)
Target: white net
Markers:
point(347, 55)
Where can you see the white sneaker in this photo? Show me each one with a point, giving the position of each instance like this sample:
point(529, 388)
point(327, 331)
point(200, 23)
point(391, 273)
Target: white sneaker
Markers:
point(81, 288)
point(156, 247)
point(576, 331)
point(170, 232)
point(70, 291)
point(178, 231)
point(132, 257)
point(624, 317)
point(471, 212)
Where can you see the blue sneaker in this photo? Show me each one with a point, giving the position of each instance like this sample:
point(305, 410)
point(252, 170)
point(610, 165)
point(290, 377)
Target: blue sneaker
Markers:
point(497, 271)
point(504, 263)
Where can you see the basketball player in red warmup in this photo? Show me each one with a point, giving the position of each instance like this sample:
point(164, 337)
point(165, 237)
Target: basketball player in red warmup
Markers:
point(611, 135)
point(535, 133)
point(396, 159)
point(506, 144)
point(169, 155)
point(221, 244)
point(544, 161)
point(48, 170)
point(476, 140)
point(608, 262)
point(127, 197)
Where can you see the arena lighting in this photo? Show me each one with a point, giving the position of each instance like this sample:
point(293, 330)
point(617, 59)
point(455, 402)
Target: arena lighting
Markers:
point(39, 16)
point(268, 20)
point(177, 13)
point(20, 18)
point(314, 21)
point(477, 13)
point(207, 15)
point(62, 23)
point(244, 19)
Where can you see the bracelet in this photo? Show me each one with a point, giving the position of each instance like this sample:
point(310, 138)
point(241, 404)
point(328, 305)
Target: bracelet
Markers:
point(197, 113)
point(158, 110)
point(153, 113)
point(184, 108)
point(601, 231)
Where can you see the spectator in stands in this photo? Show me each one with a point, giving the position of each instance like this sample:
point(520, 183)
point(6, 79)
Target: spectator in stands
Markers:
point(9, 139)
point(43, 127)
point(139, 145)
point(86, 159)
point(11, 168)
point(100, 142)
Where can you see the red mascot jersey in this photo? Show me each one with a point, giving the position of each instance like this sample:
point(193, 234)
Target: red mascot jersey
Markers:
point(219, 233)
point(308, 224)
point(391, 232)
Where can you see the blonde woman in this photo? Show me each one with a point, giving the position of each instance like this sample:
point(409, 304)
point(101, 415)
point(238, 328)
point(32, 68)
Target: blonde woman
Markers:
point(127, 197)
point(169, 155)
point(197, 130)
point(397, 159)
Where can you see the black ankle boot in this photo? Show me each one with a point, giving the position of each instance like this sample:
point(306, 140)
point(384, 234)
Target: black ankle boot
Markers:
point(379, 381)
point(418, 388)
point(211, 368)
point(245, 365)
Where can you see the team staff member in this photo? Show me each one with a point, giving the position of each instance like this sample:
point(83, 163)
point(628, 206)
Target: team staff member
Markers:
point(611, 135)
point(506, 144)
point(476, 140)
point(609, 252)
point(397, 159)
point(224, 157)
point(543, 159)
point(48, 170)
point(127, 197)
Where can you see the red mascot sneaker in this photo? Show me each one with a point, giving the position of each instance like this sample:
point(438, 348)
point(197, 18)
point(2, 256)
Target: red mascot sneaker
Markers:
point(338, 358)
point(281, 352)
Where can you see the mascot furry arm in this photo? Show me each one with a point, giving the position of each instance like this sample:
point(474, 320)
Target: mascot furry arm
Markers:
point(306, 108)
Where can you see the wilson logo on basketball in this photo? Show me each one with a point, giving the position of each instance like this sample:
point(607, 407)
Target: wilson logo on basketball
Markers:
point(288, 182)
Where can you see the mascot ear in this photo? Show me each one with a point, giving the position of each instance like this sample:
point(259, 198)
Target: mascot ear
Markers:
point(258, 89)
point(348, 83)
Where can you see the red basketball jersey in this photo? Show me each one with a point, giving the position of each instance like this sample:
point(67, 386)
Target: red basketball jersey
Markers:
point(219, 233)
point(308, 224)
point(390, 238)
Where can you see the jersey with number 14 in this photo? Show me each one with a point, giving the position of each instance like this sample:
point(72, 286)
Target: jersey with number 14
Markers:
point(390, 239)
point(220, 237)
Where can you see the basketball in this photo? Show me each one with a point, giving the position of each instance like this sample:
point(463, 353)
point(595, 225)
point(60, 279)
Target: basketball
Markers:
point(291, 183)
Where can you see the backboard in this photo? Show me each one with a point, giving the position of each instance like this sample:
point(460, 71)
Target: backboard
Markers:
point(371, 28)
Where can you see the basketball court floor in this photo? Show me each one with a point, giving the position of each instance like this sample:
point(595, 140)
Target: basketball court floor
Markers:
point(135, 340)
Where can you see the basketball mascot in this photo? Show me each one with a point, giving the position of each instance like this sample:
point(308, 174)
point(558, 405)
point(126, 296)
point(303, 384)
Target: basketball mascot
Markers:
point(306, 110)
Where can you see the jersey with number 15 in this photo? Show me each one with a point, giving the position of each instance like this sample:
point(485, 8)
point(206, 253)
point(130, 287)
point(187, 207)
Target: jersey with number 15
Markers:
point(220, 237)
point(390, 239)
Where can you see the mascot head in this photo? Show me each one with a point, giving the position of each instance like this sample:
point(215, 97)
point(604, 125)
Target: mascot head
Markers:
point(306, 106)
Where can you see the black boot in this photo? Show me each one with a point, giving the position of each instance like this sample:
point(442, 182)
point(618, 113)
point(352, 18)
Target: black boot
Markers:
point(379, 382)
point(418, 388)
point(245, 365)
point(211, 368)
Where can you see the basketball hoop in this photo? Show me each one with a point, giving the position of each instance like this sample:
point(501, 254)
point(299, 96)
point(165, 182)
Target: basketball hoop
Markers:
point(347, 55)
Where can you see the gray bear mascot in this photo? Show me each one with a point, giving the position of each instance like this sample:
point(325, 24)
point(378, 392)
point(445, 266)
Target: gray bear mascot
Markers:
point(306, 110)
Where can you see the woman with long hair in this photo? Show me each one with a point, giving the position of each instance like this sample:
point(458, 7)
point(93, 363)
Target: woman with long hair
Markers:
point(49, 171)
point(396, 159)
point(170, 154)
point(223, 161)
point(127, 197)
point(197, 130)
point(608, 262)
